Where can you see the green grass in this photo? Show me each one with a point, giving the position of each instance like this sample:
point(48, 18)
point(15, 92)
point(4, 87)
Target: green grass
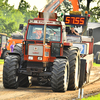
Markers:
point(1, 61)
point(96, 65)
point(96, 97)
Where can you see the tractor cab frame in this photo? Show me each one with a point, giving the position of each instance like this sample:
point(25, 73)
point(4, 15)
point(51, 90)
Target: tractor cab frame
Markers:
point(3, 41)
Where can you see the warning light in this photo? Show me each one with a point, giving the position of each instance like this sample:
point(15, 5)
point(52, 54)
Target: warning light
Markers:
point(61, 14)
point(86, 12)
point(88, 15)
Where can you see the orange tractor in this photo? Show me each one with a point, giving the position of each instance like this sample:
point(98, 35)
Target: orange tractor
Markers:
point(45, 55)
point(16, 38)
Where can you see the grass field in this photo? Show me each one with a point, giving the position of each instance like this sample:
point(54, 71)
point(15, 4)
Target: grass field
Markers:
point(96, 97)
point(1, 61)
point(96, 65)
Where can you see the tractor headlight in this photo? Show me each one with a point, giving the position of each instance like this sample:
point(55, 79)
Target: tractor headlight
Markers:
point(39, 58)
point(30, 58)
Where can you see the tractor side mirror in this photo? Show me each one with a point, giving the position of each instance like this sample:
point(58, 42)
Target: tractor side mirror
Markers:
point(21, 26)
point(90, 32)
point(67, 29)
point(26, 27)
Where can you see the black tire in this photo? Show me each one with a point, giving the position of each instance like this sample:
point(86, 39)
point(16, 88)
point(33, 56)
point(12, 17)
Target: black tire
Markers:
point(23, 80)
point(98, 57)
point(60, 75)
point(5, 54)
point(73, 55)
point(10, 78)
point(82, 73)
point(18, 49)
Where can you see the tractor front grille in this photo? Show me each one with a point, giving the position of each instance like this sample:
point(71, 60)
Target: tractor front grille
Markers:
point(35, 50)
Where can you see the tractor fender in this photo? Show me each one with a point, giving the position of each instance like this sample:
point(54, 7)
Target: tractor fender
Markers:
point(4, 53)
point(14, 53)
point(4, 49)
point(64, 57)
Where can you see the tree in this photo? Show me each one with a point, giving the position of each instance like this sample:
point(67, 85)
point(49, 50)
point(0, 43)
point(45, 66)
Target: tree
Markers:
point(95, 12)
point(88, 3)
point(23, 6)
point(30, 14)
point(9, 18)
point(64, 7)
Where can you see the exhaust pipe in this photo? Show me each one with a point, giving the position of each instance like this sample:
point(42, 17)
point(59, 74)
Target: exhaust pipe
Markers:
point(44, 34)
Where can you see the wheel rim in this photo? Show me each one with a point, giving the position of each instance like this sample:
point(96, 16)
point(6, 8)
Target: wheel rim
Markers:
point(16, 72)
point(17, 66)
point(16, 78)
point(66, 77)
point(77, 73)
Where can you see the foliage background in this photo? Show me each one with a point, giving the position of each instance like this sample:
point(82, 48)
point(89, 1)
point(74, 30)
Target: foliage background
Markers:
point(10, 18)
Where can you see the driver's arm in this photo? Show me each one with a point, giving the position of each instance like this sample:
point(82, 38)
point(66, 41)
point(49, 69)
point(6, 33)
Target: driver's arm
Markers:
point(76, 32)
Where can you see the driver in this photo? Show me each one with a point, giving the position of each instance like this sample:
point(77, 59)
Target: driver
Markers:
point(38, 34)
point(73, 31)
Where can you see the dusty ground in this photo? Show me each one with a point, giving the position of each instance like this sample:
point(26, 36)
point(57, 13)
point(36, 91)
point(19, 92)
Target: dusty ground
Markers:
point(45, 93)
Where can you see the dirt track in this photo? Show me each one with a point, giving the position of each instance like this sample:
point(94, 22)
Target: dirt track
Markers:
point(45, 93)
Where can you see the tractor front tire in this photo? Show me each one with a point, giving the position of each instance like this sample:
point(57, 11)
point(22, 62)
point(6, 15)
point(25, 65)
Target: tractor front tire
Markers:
point(10, 78)
point(60, 75)
point(73, 55)
point(18, 49)
point(23, 80)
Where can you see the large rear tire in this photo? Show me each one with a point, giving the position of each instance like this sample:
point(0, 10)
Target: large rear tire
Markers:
point(10, 78)
point(98, 57)
point(73, 55)
point(60, 75)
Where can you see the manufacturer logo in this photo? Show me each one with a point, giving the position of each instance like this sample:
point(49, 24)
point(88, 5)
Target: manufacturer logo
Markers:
point(35, 48)
point(35, 52)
